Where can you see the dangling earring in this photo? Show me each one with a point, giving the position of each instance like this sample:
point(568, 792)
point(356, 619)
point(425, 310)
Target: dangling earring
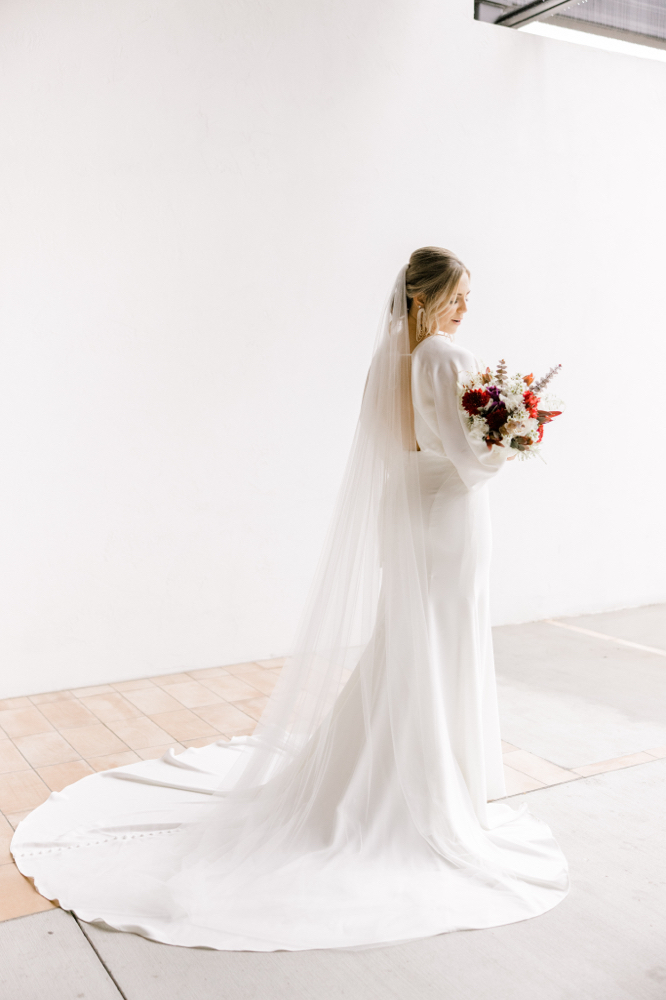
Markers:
point(420, 325)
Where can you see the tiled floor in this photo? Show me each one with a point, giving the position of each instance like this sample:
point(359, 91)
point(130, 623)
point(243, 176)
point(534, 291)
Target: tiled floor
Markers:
point(47, 741)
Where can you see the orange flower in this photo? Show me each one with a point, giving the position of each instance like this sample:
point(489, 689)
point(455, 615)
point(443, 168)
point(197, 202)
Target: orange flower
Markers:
point(531, 402)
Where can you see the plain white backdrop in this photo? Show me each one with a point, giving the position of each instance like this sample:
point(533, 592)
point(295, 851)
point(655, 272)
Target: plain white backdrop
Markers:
point(204, 204)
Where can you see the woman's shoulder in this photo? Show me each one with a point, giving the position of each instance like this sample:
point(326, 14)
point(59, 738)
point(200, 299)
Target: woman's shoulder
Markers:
point(440, 350)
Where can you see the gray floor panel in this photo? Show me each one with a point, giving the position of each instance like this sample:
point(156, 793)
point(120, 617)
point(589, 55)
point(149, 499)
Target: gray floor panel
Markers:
point(604, 942)
point(646, 625)
point(47, 957)
point(574, 699)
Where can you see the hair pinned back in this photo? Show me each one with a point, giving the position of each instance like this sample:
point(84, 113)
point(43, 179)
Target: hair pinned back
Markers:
point(433, 273)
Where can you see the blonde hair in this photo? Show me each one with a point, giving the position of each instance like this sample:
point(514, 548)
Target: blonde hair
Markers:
point(434, 274)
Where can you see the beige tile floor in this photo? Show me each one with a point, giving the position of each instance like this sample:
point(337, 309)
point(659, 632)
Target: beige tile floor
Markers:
point(48, 741)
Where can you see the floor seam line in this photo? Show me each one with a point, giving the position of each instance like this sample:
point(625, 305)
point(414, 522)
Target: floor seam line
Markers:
point(608, 638)
point(100, 959)
point(576, 777)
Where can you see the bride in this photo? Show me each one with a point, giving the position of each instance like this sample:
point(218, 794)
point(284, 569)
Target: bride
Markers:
point(358, 813)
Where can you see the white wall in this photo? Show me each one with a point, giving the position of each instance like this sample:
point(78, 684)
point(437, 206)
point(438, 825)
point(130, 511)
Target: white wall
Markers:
point(203, 206)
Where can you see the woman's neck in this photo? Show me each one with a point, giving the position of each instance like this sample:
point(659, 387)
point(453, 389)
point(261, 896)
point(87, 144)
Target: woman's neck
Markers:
point(411, 320)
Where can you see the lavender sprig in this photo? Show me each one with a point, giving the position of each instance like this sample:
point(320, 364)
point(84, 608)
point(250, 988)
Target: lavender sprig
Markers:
point(543, 382)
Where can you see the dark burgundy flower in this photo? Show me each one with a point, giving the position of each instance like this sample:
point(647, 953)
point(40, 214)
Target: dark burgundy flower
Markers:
point(496, 417)
point(474, 400)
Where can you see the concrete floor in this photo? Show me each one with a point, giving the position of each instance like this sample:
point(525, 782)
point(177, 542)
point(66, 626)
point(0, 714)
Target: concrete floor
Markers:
point(566, 696)
point(576, 699)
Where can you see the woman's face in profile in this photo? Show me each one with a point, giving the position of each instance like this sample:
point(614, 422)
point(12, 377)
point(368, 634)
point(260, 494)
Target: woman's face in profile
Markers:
point(450, 314)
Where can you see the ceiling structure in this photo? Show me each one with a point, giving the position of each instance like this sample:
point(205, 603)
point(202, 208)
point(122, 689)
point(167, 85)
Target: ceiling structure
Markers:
point(638, 21)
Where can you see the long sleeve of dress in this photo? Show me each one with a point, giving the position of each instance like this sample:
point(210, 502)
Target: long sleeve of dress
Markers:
point(439, 424)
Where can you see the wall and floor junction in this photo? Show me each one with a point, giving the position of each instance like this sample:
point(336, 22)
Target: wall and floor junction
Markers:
point(204, 206)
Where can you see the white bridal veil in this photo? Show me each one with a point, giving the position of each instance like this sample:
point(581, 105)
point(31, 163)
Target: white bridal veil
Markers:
point(365, 632)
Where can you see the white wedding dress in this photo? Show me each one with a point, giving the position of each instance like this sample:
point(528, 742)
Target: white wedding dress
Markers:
point(358, 814)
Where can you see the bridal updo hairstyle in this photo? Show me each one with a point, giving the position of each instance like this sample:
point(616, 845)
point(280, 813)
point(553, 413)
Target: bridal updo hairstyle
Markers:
point(432, 273)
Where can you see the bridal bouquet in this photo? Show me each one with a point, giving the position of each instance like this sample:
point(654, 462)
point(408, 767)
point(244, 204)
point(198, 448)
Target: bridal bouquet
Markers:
point(507, 410)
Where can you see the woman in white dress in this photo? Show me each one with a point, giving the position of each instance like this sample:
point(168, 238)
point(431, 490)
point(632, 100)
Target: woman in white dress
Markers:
point(358, 813)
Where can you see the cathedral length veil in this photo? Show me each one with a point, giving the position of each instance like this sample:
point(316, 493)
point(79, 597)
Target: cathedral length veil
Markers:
point(345, 819)
point(365, 626)
point(366, 617)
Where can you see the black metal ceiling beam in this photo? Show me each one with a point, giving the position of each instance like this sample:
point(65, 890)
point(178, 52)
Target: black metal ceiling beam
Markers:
point(516, 17)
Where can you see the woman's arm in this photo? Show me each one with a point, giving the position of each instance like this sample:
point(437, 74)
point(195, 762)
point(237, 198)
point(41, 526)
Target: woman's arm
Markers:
point(474, 461)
